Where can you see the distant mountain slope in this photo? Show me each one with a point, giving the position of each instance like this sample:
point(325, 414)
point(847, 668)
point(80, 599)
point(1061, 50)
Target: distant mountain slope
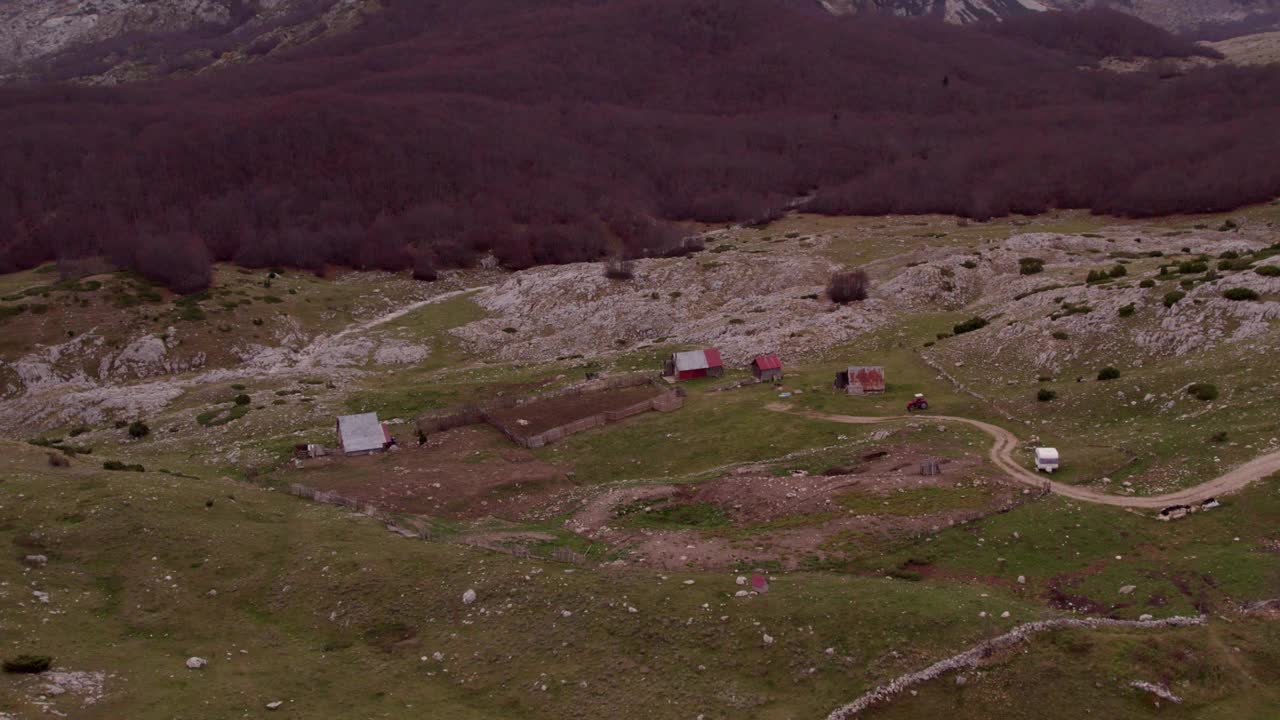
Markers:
point(1173, 15)
point(112, 40)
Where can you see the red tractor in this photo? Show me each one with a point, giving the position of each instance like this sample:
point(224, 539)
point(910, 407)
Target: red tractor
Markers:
point(918, 403)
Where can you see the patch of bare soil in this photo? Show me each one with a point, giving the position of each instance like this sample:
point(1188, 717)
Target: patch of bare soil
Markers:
point(467, 472)
point(777, 520)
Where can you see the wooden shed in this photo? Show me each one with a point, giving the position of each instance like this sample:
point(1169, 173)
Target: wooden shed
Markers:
point(694, 364)
point(861, 379)
point(767, 367)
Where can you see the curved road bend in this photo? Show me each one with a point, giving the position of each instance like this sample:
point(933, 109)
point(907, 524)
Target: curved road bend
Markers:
point(1002, 455)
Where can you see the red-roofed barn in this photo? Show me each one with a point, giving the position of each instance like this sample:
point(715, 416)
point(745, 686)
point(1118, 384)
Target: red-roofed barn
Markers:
point(767, 367)
point(694, 364)
point(861, 380)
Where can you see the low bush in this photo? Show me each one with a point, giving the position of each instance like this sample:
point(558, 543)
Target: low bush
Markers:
point(1046, 395)
point(138, 430)
point(28, 664)
point(1127, 310)
point(1203, 391)
point(969, 264)
point(243, 399)
point(1030, 265)
point(1191, 267)
point(1268, 270)
point(122, 467)
point(1108, 373)
point(973, 323)
point(58, 461)
point(1060, 335)
point(849, 286)
point(424, 269)
point(1148, 283)
point(1172, 297)
point(1239, 294)
point(1219, 437)
point(1118, 271)
point(619, 269)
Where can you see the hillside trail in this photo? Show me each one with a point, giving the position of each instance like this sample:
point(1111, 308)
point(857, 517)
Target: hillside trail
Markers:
point(307, 357)
point(1002, 455)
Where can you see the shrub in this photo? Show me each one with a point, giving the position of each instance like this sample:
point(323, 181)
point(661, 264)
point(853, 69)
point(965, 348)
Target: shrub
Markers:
point(243, 399)
point(78, 430)
point(1118, 271)
point(138, 429)
point(1060, 335)
point(1203, 391)
point(424, 269)
point(58, 461)
point(1030, 265)
point(28, 664)
point(1046, 395)
point(968, 264)
point(849, 286)
point(119, 466)
point(619, 269)
point(973, 323)
point(1268, 270)
point(1239, 294)
point(1127, 310)
point(1148, 283)
point(1219, 437)
point(1229, 255)
point(1172, 297)
point(1108, 373)
point(1095, 276)
point(1191, 267)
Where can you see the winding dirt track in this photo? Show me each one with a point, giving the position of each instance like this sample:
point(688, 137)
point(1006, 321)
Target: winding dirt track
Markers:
point(1002, 455)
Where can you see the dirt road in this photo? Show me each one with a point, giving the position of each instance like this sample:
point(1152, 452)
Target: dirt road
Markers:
point(1002, 455)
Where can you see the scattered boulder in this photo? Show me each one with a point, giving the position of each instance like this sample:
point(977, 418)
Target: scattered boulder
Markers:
point(196, 663)
point(1128, 589)
point(274, 704)
point(768, 639)
point(54, 690)
point(41, 596)
point(36, 561)
point(468, 597)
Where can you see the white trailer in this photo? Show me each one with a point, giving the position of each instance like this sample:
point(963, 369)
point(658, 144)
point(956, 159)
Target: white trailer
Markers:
point(1046, 459)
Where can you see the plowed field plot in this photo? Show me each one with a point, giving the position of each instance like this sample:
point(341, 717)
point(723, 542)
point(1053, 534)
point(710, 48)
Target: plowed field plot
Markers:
point(540, 416)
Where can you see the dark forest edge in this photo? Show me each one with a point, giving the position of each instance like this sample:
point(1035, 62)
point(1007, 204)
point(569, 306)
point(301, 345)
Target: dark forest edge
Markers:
point(575, 131)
